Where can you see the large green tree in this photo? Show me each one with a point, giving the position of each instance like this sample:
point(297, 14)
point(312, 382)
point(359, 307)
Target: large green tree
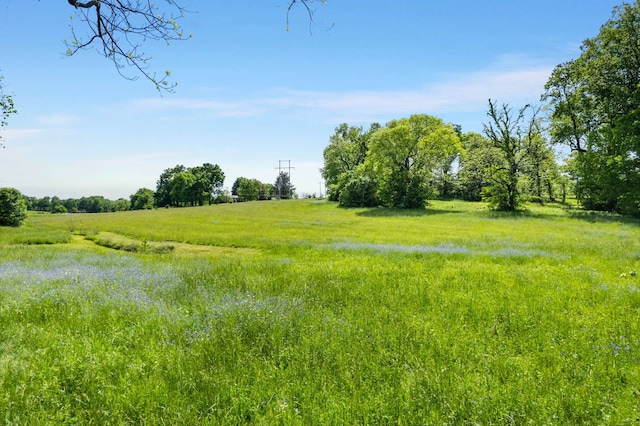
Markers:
point(162, 195)
point(595, 110)
point(249, 189)
point(347, 149)
point(403, 156)
point(209, 181)
point(142, 199)
point(181, 186)
point(183, 189)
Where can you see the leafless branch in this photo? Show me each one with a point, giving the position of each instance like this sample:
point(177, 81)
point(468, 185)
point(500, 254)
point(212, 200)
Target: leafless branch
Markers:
point(119, 29)
point(307, 7)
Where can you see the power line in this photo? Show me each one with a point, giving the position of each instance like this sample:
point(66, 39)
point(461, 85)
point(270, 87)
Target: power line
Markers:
point(279, 169)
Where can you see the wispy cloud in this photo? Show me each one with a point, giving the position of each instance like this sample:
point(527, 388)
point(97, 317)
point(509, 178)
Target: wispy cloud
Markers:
point(57, 119)
point(458, 93)
point(20, 134)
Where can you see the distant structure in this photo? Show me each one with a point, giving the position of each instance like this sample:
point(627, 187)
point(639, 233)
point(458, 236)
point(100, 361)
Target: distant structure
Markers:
point(279, 169)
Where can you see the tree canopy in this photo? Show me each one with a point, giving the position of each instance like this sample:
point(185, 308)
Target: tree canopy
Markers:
point(404, 155)
point(347, 149)
point(182, 186)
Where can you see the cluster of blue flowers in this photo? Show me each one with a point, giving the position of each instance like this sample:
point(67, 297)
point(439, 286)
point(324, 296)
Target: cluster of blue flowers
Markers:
point(113, 280)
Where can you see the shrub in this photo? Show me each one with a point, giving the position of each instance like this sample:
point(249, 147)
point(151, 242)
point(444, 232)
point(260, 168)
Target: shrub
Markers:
point(13, 207)
point(360, 191)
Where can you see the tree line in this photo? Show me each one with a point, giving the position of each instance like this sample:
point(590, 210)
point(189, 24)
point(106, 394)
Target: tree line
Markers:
point(177, 186)
point(245, 189)
point(411, 160)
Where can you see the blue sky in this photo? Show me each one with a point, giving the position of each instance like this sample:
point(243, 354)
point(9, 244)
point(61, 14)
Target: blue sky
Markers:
point(251, 93)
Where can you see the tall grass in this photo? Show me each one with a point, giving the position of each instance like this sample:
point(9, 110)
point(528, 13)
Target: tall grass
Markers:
point(453, 315)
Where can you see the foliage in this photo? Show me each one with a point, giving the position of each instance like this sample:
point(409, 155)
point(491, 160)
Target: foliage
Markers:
point(142, 199)
point(92, 204)
point(181, 186)
point(13, 207)
point(594, 103)
point(541, 169)
point(249, 189)
point(403, 156)
point(7, 107)
point(478, 159)
point(514, 135)
point(117, 30)
point(252, 189)
point(347, 149)
point(360, 189)
point(282, 188)
point(96, 204)
point(59, 208)
point(448, 315)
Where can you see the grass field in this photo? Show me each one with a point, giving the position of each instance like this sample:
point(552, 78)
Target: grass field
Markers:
point(299, 312)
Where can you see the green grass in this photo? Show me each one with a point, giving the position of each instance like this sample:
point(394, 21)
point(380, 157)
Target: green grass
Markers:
point(303, 313)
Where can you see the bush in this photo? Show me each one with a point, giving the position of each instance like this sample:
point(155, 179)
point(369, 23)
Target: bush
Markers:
point(360, 191)
point(13, 207)
point(59, 208)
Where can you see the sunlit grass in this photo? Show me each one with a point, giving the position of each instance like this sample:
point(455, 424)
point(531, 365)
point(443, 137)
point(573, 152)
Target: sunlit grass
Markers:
point(303, 313)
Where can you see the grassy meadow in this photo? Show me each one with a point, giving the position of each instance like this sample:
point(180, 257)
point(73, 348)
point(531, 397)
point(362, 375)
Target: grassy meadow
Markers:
point(299, 312)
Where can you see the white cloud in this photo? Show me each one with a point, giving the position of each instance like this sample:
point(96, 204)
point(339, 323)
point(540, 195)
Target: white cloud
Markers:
point(57, 119)
point(20, 134)
point(458, 93)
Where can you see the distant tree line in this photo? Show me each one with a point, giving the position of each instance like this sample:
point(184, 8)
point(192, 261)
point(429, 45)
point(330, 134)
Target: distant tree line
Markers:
point(92, 204)
point(245, 189)
point(176, 187)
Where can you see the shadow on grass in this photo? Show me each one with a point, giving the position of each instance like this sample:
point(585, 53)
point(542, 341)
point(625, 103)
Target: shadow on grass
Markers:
point(559, 210)
point(548, 211)
point(602, 217)
point(387, 212)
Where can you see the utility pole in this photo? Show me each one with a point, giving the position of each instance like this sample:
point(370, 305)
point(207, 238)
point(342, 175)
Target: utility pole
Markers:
point(279, 168)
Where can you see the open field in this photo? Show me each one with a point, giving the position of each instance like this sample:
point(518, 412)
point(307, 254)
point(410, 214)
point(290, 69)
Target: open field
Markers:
point(298, 312)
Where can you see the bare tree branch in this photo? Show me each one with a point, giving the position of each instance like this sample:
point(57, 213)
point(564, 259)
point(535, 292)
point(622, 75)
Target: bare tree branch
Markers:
point(305, 3)
point(119, 28)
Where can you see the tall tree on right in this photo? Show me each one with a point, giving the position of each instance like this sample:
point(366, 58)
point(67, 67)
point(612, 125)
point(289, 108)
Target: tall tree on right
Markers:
point(595, 110)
